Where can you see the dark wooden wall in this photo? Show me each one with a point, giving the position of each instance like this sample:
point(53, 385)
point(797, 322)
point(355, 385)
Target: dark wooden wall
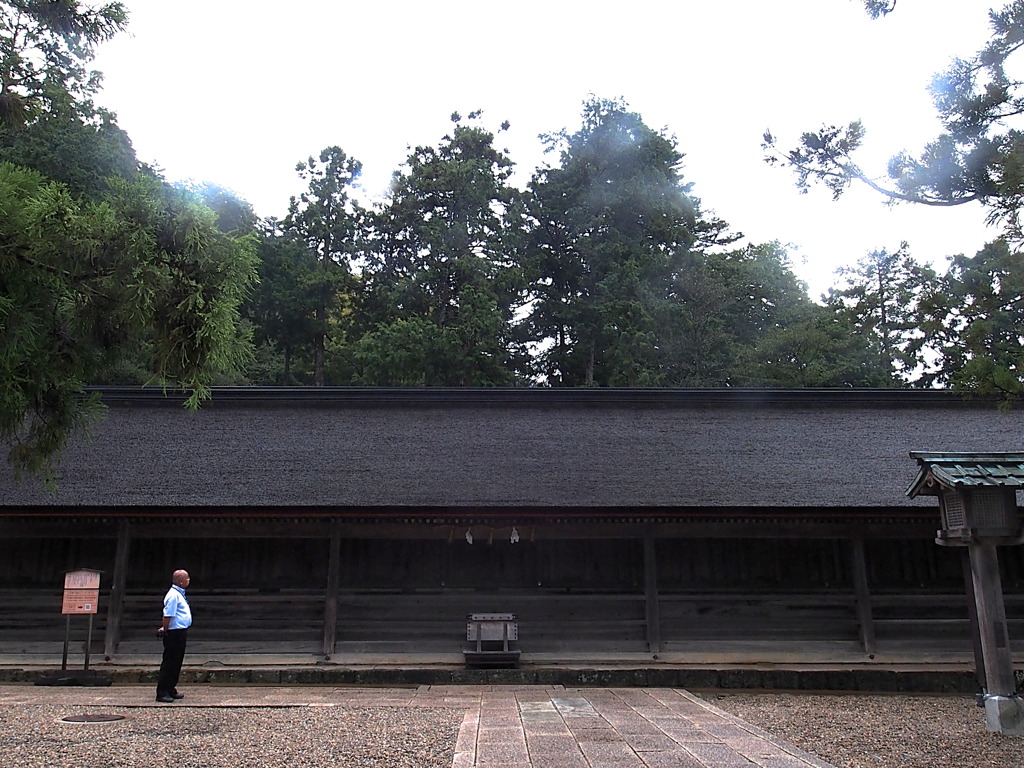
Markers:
point(600, 565)
point(267, 594)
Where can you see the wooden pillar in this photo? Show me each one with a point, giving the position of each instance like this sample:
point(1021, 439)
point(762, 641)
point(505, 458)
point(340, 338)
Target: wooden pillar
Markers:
point(331, 593)
point(652, 612)
point(115, 610)
point(988, 599)
point(972, 613)
point(865, 617)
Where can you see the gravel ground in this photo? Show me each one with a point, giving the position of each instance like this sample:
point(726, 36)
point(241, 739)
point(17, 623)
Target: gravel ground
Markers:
point(849, 731)
point(880, 731)
point(34, 736)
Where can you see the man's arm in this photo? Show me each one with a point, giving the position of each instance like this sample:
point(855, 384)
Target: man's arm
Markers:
point(166, 624)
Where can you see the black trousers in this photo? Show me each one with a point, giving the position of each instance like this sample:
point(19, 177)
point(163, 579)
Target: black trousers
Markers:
point(170, 665)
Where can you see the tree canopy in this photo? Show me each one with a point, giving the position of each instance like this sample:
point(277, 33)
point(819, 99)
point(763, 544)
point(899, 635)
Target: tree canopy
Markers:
point(973, 316)
point(978, 157)
point(443, 279)
point(604, 271)
point(328, 221)
point(967, 333)
point(99, 258)
point(45, 46)
point(610, 226)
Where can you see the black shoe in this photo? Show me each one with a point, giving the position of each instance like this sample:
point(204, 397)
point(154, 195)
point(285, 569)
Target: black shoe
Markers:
point(177, 695)
point(165, 698)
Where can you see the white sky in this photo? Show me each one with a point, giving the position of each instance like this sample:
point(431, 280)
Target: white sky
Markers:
point(237, 91)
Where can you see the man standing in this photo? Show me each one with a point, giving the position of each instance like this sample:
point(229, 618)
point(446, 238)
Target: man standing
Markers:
point(173, 631)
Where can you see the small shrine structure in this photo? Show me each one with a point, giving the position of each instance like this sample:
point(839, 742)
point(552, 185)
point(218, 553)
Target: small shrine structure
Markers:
point(977, 495)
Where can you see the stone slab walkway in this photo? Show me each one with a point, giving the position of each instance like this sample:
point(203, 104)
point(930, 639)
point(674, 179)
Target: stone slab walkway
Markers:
point(511, 726)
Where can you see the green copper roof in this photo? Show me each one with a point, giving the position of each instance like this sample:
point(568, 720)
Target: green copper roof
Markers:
point(953, 470)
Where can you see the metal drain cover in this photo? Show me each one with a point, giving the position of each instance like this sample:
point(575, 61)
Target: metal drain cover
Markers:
point(91, 718)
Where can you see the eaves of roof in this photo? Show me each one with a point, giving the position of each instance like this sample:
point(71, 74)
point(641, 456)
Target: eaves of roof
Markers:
point(956, 470)
point(547, 397)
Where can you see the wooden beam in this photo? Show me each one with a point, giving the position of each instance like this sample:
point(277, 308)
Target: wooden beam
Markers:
point(428, 523)
point(652, 608)
point(865, 617)
point(115, 610)
point(331, 594)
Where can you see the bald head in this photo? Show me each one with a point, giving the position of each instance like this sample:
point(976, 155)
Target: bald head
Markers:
point(180, 578)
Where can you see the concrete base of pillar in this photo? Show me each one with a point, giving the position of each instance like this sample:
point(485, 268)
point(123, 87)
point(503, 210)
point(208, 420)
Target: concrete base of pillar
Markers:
point(1005, 714)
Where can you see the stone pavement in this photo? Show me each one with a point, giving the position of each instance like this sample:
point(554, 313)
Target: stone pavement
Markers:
point(511, 726)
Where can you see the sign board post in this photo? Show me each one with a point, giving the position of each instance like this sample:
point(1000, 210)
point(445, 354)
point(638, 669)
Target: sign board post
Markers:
point(81, 596)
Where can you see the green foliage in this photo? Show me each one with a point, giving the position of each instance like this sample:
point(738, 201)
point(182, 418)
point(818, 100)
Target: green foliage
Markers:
point(48, 121)
point(44, 45)
point(878, 8)
point(329, 223)
point(610, 224)
point(104, 272)
point(403, 352)
point(817, 350)
point(235, 216)
point(968, 317)
point(880, 303)
point(81, 281)
point(325, 216)
point(81, 151)
point(762, 290)
point(628, 285)
point(727, 304)
point(442, 281)
point(631, 283)
point(979, 157)
point(283, 309)
point(822, 156)
point(974, 320)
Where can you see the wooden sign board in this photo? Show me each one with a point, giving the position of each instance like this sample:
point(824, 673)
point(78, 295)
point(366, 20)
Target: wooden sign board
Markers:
point(82, 579)
point(80, 601)
point(81, 591)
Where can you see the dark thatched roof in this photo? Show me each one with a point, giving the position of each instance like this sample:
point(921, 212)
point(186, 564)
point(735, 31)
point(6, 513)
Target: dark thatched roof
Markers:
point(351, 448)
